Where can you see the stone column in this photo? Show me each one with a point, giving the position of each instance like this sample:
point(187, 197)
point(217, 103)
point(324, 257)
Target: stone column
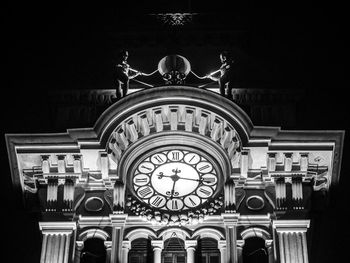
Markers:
point(240, 245)
point(222, 248)
point(230, 222)
point(126, 245)
point(268, 245)
point(158, 246)
point(292, 240)
point(56, 241)
point(118, 224)
point(190, 246)
point(79, 245)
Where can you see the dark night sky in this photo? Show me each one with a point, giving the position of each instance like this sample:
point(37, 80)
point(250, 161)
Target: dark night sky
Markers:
point(71, 46)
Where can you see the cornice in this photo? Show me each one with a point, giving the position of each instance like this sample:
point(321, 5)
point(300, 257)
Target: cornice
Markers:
point(57, 227)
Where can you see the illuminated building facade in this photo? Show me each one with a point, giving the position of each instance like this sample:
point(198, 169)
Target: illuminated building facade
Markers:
point(174, 172)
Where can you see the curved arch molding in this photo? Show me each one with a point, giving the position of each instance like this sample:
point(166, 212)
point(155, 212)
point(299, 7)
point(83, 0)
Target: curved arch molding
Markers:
point(173, 95)
point(184, 110)
point(94, 233)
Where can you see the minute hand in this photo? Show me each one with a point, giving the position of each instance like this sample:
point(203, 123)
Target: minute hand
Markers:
point(197, 180)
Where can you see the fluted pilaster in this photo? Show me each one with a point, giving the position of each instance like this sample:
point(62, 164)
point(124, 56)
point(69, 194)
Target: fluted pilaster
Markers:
point(56, 241)
point(118, 224)
point(230, 222)
point(292, 240)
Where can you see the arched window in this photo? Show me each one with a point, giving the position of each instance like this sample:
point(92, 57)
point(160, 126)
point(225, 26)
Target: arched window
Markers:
point(94, 251)
point(141, 251)
point(174, 251)
point(254, 251)
point(207, 251)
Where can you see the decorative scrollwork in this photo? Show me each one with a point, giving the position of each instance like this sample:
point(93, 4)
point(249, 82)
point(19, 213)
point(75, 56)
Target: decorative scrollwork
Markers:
point(192, 217)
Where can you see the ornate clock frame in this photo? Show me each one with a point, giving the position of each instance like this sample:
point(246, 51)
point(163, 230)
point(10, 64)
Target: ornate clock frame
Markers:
point(167, 140)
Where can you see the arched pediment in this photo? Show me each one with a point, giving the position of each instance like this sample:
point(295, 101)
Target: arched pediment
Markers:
point(93, 233)
point(208, 233)
point(192, 114)
point(255, 232)
point(140, 233)
point(200, 100)
point(174, 232)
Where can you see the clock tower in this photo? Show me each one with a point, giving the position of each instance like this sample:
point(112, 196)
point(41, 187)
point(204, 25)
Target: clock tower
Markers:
point(175, 173)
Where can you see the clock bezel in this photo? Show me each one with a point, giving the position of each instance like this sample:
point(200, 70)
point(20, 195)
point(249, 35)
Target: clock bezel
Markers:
point(148, 154)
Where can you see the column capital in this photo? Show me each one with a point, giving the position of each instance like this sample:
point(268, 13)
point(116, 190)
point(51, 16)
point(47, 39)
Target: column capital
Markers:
point(79, 245)
point(157, 244)
point(268, 243)
point(222, 244)
point(291, 225)
point(126, 244)
point(57, 227)
point(230, 219)
point(240, 243)
point(108, 244)
point(118, 220)
point(190, 244)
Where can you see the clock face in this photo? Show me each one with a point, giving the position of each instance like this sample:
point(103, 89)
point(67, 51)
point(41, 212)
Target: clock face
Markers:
point(175, 180)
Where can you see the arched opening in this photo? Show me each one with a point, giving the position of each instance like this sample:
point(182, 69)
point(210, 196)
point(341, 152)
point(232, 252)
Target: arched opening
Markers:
point(174, 251)
point(207, 251)
point(141, 251)
point(94, 251)
point(254, 251)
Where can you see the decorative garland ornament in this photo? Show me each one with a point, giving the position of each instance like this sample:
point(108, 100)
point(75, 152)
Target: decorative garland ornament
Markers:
point(157, 217)
point(175, 19)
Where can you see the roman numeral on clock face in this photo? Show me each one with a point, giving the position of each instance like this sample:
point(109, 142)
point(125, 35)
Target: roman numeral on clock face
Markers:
point(157, 201)
point(192, 158)
point(204, 167)
point(146, 167)
point(192, 201)
point(204, 191)
point(174, 204)
point(175, 155)
point(145, 191)
point(209, 180)
point(158, 158)
point(141, 179)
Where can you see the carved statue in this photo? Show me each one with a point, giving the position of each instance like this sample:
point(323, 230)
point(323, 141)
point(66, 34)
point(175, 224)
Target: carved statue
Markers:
point(123, 73)
point(226, 73)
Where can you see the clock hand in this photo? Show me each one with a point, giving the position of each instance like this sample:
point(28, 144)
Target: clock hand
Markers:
point(172, 193)
point(161, 175)
point(197, 180)
point(172, 190)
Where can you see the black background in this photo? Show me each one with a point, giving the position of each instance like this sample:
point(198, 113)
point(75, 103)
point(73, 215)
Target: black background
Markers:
point(72, 46)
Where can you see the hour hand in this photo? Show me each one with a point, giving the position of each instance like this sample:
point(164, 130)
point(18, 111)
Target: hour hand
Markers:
point(161, 175)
